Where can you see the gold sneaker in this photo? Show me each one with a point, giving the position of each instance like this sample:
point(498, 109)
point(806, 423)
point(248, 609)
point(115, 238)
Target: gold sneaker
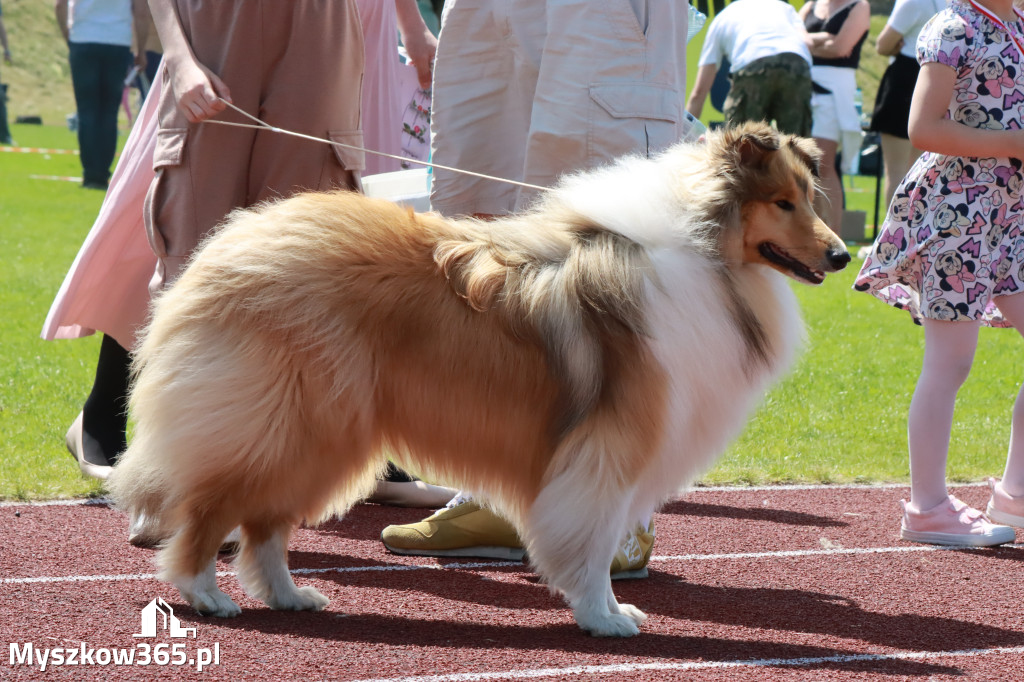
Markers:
point(465, 529)
point(631, 559)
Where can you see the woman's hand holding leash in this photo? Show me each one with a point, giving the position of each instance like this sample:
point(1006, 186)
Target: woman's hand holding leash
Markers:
point(199, 92)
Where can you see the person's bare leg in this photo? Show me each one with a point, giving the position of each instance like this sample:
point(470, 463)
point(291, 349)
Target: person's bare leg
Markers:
point(830, 202)
point(898, 155)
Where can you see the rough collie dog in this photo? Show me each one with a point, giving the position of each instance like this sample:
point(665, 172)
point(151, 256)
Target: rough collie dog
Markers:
point(577, 364)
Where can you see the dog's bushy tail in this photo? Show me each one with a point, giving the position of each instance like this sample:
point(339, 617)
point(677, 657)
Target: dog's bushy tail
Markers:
point(175, 413)
point(227, 396)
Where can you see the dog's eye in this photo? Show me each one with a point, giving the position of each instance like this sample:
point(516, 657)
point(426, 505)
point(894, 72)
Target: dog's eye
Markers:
point(785, 205)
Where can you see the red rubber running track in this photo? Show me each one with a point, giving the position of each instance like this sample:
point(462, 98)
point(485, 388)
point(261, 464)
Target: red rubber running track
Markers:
point(746, 584)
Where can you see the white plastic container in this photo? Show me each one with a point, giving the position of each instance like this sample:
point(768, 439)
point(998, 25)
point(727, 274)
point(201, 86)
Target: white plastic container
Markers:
point(406, 187)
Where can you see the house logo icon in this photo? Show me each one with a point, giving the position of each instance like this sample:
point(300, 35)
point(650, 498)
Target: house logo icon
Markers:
point(151, 613)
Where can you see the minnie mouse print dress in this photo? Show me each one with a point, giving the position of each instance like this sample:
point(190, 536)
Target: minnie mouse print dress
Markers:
point(952, 238)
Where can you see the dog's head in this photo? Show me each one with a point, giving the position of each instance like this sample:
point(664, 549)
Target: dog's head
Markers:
point(771, 179)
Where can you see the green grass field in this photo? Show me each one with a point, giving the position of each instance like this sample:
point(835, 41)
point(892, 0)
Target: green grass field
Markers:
point(42, 384)
point(839, 417)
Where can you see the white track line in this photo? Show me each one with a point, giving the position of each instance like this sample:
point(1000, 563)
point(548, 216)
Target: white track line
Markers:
point(77, 502)
point(681, 498)
point(807, 486)
point(485, 565)
point(37, 150)
point(294, 571)
point(799, 553)
point(623, 668)
point(61, 178)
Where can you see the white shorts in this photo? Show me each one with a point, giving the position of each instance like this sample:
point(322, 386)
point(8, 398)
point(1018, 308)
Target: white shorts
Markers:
point(834, 112)
point(825, 123)
point(531, 89)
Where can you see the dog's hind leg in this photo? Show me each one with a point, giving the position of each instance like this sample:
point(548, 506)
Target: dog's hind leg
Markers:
point(189, 561)
point(263, 569)
point(572, 536)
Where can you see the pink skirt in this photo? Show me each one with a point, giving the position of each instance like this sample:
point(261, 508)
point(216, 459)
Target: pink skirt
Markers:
point(381, 103)
point(107, 287)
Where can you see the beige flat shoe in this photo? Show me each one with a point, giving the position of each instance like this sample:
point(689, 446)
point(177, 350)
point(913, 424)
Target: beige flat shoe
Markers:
point(73, 439)
point(144, 532)
point(411, 494)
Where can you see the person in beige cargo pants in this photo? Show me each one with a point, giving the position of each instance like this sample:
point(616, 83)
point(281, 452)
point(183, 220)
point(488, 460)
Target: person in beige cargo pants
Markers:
point(529, 90)
point(297, 65)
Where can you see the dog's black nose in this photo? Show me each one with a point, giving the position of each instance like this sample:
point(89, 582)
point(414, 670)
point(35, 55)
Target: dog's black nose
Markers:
point(838, 258)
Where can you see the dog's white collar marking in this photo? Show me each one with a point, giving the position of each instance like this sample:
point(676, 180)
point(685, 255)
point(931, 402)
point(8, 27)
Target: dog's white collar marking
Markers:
point(263, 125)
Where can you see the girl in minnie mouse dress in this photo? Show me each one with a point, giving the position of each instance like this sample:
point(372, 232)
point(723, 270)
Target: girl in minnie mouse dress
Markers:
point(951, 250)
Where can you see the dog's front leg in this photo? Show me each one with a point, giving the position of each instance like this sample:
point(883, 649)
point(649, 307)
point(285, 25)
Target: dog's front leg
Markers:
point(601, 614)
point(574, 530)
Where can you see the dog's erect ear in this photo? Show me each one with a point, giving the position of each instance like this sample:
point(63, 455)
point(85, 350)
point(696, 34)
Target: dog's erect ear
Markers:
point(808, 151)
point(754, 141)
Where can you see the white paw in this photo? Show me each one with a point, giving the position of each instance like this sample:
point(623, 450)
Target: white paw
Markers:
point(300, 599)
point(633, 612)
point(609, 625)
point(212, 603)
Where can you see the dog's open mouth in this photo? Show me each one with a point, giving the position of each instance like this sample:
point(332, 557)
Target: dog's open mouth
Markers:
point(778, 255)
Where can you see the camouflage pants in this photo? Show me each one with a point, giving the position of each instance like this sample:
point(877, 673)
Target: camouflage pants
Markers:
point(776, 88)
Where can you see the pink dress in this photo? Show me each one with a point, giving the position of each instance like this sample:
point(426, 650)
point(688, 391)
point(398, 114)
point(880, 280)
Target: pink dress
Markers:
point(953, 239)
point(382, 106)
point(107, 287)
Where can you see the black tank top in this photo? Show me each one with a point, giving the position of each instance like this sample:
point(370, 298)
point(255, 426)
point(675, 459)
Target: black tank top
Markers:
point(815, 24)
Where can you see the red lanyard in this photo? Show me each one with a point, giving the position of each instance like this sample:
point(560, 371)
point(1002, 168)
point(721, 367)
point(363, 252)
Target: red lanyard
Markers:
point(998, 22)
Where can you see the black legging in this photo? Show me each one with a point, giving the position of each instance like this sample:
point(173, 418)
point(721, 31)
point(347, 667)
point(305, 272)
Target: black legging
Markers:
point(105, 413)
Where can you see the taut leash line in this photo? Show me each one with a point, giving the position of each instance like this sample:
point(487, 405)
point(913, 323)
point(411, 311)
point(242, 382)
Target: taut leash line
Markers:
point(263, 125)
